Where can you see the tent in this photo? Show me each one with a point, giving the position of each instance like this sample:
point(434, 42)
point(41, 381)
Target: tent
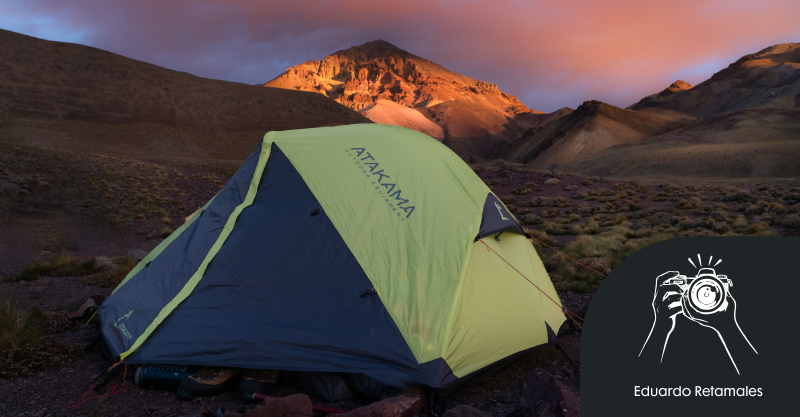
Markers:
point(363, 249)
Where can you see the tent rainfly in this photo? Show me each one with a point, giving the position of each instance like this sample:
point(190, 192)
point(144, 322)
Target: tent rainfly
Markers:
point(360, 249)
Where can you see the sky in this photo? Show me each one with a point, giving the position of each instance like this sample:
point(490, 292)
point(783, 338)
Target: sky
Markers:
point(548, 53)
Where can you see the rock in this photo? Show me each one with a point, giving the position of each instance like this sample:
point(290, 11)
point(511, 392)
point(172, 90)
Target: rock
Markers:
point(297, 405)
point(137, 255)
point(44, 256)
point(102, 263)
point(544, 396)
point(465, 411)
point(403, 406)
point(82, 298)
point(552, 181)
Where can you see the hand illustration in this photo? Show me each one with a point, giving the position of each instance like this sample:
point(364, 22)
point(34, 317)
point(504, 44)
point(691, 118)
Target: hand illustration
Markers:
point(723, 322)
point(666, 305)
point(704, 299)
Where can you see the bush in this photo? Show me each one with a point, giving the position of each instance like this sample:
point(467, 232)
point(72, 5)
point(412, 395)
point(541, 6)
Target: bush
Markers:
point(718, 215)
point(759, 229)
point(34, 270)
point(115, 275)
point(165, 232)
point(548, 214)
point(791, 222)
point(531, 219)
point(24, 347)
point(690, 203)
point(17, 328)
point(588, 228)
point(721, 227)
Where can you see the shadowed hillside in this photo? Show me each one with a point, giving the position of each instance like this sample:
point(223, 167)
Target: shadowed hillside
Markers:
point(76, 97)
point(593, 127)
point(750, 143)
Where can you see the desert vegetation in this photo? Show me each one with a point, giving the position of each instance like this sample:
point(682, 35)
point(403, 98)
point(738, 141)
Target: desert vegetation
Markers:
point(594, 223)
point(26, 344)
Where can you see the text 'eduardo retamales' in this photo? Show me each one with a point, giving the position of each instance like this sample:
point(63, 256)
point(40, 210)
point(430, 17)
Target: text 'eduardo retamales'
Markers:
point(699, 391)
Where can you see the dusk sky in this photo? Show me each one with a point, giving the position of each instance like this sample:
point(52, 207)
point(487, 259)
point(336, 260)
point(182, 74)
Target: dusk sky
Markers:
point(550, 54)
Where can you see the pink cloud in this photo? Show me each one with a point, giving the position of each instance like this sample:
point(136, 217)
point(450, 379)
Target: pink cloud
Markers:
point(548, 53)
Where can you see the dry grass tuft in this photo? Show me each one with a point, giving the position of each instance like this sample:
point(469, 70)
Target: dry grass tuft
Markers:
point(24, 347)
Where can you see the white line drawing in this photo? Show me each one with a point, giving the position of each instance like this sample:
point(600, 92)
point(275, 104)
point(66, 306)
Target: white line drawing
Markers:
point(704, 299)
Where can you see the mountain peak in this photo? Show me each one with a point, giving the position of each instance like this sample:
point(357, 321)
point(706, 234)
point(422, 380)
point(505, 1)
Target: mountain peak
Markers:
point(378, 44)
point(678, 86)
point(377, 70)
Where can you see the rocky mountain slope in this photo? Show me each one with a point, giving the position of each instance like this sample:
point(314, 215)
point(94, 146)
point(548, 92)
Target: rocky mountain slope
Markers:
point(591, 128)
point(742, 122)
point(749, 143)
point(76, 97)
point(769, 78)
point(477, 119)
point(359, 76)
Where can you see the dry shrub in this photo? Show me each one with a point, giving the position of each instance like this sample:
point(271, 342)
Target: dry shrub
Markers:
point(594, 265)
point(690, 203)
point(120, 268)
point(588, 228)
point(759, 229)
point(165, 232)
point(791, 222)
point(18, 328)
point(24, 348)
point(34, 270)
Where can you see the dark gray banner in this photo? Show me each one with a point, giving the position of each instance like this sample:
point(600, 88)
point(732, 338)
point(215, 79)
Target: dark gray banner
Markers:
point(695, 326)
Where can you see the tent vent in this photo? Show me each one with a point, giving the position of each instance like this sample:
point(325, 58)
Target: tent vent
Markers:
point(316, 211)
point(369, 292)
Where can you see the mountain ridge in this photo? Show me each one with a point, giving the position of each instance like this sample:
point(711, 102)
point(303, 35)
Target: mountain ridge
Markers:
point(769, 78)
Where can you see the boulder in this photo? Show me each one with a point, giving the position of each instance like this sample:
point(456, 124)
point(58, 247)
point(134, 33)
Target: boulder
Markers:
point(544, 396)
point(297, 405)
point(465, 411)
point(552, 181)
point(44, 256)
point(83, 298)
point(403, 406)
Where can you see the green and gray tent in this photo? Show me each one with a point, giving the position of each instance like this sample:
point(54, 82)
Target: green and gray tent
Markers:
point(366, 249)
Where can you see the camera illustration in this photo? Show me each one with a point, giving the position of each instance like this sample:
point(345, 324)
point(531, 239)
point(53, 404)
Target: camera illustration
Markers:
point(705, 292)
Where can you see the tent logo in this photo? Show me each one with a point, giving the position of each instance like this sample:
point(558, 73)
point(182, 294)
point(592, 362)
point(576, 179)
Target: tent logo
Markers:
point(502, 216)
point(704, 299)
point(389, 191)
point(121, 326)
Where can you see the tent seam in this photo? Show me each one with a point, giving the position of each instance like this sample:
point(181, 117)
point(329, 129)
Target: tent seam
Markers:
point(163, 245)
point(226, 231)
